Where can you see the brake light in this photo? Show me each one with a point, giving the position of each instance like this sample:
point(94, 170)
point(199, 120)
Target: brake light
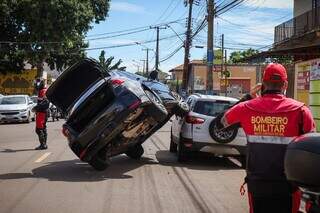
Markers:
point(65, 132)
point(194, 120)
point(135, 104)
point(117, 81)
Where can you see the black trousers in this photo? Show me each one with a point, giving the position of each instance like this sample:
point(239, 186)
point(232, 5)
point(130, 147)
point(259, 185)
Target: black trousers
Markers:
point(270, 204)
point(42, 134)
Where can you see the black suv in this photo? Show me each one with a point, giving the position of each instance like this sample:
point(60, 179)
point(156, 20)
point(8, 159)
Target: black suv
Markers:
point(110, 113)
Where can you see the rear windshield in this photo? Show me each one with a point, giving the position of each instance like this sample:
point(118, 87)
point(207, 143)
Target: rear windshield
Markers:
point(211, 108)
point(93, 105)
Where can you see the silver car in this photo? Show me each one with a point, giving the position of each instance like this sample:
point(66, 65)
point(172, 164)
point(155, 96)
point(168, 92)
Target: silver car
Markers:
point(16, 108)
point(193, 132)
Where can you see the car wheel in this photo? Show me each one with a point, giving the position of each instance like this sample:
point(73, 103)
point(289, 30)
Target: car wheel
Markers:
point(181, 109)
point(173, 145)
point(156, 109)
point(182, 152)
point(225, 136)
point(29, 118)
point(100, 161)
point(135, 152)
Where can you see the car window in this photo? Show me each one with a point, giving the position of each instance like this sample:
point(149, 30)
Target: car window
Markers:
point(12, 100)
point(211, 108)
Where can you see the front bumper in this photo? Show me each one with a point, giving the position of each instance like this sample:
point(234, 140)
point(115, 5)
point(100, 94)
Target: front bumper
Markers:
point(13, 116)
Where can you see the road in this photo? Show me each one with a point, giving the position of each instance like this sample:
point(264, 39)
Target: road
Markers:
point(54, 180)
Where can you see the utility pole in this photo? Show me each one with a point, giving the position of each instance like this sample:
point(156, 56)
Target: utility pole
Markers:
point(147, 60)
point(210, 55)
point(158, 28)
point(143, 67)
point(225, 73)
point(222, 62)
point(187, 45)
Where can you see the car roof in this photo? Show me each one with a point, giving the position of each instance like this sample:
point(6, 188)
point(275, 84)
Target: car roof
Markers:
point(213, 97)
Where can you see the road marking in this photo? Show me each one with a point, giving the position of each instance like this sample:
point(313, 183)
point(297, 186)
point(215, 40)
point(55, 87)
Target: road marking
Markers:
point(44, 156)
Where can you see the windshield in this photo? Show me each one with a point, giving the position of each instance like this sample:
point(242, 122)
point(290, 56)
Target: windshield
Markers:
point(12, 100)
point(211, 108)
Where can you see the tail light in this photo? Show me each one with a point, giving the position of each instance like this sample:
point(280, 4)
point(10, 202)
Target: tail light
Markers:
point(135, 104)
point(194, 120)
point(65, 132)
point(117, 81)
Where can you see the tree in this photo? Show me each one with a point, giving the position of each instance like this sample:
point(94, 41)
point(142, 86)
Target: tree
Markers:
point(106, 63)
point(238, 56)
point(52, 31)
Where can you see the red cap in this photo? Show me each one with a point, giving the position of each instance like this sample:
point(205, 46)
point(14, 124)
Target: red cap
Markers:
point(275, 73)
point(42, 93)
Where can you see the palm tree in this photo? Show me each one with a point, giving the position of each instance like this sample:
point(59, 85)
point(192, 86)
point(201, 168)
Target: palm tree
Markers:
point(106, 63)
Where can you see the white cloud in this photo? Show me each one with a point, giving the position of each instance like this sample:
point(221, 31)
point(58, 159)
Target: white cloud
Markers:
point(127, 7)
point(278, 4)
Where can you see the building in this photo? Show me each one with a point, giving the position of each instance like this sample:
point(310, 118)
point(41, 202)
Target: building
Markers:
point(299, 38)
point(242, 78)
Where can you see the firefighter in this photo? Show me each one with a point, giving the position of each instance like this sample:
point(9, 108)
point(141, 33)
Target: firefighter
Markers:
point(41, 115)
point(270, 122)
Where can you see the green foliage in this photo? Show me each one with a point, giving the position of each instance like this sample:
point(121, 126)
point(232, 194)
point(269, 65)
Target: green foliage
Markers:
point(52, 31)
point(238, 56)
point(106, 63)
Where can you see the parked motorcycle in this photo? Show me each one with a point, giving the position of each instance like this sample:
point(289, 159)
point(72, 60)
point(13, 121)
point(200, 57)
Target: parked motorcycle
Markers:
point(302, 162)
point(54, 113)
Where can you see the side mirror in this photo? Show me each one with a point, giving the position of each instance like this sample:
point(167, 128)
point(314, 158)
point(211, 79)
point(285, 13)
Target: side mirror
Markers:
point(30, 102)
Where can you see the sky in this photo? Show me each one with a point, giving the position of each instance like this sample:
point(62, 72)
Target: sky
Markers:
point(251, 24)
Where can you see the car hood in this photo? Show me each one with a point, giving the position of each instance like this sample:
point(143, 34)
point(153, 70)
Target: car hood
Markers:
point(73, 82)
point(12, 107)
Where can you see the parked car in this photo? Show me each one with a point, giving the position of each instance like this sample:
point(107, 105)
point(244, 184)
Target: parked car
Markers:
point(16, 108)
point(194, 132)
point(110, 113)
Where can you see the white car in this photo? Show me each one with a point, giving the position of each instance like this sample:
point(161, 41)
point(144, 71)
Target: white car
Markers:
point(193, 133)
point(16, 108)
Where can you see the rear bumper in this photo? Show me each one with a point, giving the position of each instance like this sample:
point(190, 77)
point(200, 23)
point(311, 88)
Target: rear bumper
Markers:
point(214, 148)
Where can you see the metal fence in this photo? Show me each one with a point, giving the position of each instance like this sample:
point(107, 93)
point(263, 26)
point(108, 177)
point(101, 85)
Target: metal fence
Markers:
point(298, 26)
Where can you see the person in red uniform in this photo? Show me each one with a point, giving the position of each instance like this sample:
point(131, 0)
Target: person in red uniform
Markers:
point(41, 116)
point(270, 122)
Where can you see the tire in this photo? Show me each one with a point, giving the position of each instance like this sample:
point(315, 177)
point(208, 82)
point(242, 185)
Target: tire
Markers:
point(156, 109)
point(173, 145)
point(29, 118)
point(182, 152)
point(225, 136)
point(135, 152)
point(181, 109)
point(100, 162)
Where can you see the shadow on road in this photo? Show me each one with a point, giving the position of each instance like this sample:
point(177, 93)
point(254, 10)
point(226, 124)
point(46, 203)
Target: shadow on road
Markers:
point(197, 161)
point(15, 150)
point(77, 171)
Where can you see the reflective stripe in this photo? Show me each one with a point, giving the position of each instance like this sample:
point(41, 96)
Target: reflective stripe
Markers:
point(269, 139)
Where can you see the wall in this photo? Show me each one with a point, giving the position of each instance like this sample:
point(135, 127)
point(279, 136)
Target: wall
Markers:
point(311, 93)
point(18, 83)
point(301, 6)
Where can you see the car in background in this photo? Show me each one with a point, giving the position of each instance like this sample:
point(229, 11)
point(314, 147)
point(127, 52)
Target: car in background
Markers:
point(16, 108)
point(109, 113)
point(1, 95)
point(194, 132)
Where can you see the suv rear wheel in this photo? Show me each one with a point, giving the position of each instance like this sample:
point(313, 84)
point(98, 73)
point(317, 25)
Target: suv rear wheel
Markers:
point(100, 161)
point(135, 152)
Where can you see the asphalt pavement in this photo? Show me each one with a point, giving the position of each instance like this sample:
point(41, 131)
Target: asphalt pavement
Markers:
point(54, 180)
